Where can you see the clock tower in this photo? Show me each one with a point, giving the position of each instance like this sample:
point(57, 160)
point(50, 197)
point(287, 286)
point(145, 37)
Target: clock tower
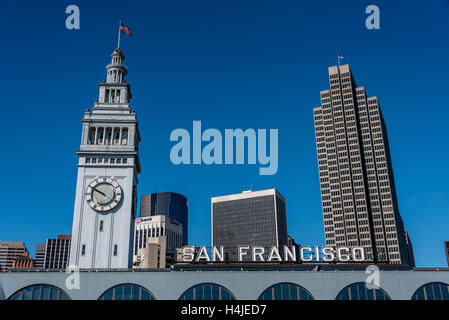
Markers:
point(106, 189)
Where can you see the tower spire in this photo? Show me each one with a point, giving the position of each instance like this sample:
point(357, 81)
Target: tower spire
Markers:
point(114, 90)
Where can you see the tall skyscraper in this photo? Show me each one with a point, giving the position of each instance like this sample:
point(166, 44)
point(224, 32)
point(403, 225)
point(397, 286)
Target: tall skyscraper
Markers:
point(39, 256)
point(356, 175)
point(106, 192)
point(57, 252)
point(9, 250)
point(168, 204)
point(250, 218)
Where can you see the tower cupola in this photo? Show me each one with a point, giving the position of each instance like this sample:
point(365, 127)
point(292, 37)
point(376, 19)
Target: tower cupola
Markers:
point(116, 70)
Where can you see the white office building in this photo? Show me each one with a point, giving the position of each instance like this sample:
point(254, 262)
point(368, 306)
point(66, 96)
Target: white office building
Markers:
point(154, 227)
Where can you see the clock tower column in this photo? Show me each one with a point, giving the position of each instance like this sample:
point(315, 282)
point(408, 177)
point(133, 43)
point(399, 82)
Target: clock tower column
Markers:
point(106, 191)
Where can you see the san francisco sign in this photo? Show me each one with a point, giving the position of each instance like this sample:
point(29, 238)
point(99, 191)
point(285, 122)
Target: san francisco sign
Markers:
point(273, 254)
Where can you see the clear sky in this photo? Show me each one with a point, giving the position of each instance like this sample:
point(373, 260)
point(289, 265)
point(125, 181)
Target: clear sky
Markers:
point(231, 64)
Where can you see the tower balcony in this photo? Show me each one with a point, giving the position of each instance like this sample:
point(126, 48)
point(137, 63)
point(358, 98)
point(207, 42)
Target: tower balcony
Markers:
point(117, 66)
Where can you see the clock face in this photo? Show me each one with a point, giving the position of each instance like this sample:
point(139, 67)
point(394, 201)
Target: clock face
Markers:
point(103, 194)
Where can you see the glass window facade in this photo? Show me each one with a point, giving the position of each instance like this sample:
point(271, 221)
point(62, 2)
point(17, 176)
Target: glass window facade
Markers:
point(250, 222)
point(40, 292)
point(168, 204)
point(207, 291)
point(432, 291)
point(359, 291)
point(127, 291)
point(286, 291)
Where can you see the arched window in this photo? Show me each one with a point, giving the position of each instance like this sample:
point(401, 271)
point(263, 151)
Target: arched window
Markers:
point(127, 291)
point(40, 292)
point(432, 291)
point(286, 291)
point(360, 291)
point(207, 291)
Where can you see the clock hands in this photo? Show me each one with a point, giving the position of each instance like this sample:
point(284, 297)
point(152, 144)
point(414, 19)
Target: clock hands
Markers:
point(102, 193)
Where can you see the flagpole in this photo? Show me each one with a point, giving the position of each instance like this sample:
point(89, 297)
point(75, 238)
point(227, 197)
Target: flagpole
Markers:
point(119, 33)
point(338, 59)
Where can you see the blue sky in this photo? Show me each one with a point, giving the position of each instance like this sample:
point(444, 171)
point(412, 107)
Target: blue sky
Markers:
point(230, 64)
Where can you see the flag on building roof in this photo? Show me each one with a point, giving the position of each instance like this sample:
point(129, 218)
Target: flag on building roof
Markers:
point(125, 29)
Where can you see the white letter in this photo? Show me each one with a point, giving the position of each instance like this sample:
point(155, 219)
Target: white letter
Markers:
point(317, 253)
point(290, 253)
point(202, 254)
point(239, 136)
point(183, 146)
point(217, 254)
point(274, 253)
point(196, 142)
point(360, 256)
point(73, 280)
point(241, 252)
point(272, 159)
point(339, 254)
point(215, 146)
point(328, 254)
point(373, 280)
point(72, 21)
point(301, 251)
point(258, 252)
point(187, 254)
point(373, 21)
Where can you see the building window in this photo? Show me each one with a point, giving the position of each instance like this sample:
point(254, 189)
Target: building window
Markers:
point(40, 292)
point(285, 291)
point(207, 291)
point(124, 139)
point(360, 291)
point(432, 291)
point(115, 249)
point(83, 249)
point(127, 291)
point(101, 225)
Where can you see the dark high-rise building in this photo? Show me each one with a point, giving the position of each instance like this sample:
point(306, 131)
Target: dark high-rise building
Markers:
point(357, 185)
point(57, 252)
point(291, 243)
point(250, 218)
point(168, 204)
point(446, 249)
point(411, 255)
point(40, 255)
